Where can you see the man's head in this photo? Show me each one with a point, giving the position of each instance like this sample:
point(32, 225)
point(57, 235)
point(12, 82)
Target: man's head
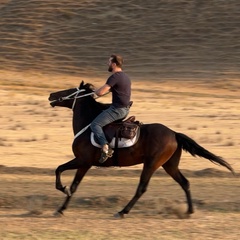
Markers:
point(115, 62)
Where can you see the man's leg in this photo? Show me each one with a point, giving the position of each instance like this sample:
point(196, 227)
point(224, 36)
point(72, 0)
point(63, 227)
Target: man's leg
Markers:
point(109, 115)
point(98, 123)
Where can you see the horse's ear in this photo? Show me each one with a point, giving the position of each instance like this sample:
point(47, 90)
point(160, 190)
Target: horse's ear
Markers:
point(81, 84)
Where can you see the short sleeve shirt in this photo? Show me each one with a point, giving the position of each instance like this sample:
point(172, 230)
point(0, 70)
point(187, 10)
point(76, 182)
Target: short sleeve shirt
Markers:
point(121, 89)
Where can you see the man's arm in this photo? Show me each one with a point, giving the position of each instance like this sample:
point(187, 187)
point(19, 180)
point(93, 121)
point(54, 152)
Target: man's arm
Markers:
point(102, 90)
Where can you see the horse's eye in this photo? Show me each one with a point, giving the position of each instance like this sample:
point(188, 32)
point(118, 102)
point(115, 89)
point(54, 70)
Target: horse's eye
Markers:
point(60, 99)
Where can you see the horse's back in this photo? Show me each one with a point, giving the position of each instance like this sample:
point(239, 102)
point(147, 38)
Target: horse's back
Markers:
point(157, 133)
point(157, 128)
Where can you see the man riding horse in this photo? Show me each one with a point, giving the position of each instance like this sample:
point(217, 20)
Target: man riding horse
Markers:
point(120, 86)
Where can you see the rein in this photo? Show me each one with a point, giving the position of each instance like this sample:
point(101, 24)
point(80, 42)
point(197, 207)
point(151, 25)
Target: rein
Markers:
point(82, 131)
point(75, 97)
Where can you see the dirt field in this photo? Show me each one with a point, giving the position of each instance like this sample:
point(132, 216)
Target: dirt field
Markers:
point(35, 139)
point(183, 58)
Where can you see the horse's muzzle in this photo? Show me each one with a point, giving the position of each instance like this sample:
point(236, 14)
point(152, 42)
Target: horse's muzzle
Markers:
point(52, 101)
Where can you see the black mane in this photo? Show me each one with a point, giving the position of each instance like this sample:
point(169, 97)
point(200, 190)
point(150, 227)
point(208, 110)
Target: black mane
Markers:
point(91, 88)
point(88, 87)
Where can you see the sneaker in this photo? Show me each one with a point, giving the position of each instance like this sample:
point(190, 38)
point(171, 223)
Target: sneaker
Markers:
point(106, 155)
point(110, 152)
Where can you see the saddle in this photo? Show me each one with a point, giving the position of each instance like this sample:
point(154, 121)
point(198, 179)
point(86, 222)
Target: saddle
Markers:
point(120, 134)
point(124, 129)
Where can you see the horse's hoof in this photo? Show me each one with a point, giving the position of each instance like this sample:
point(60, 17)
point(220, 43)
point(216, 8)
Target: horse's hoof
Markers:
point(119, 215)
point(58, 213)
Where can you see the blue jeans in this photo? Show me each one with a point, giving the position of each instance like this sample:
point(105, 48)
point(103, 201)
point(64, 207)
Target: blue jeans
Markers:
point(107, 116)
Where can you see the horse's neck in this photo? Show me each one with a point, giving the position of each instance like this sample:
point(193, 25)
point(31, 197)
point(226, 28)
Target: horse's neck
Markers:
point(83, 115)
point(79, 122)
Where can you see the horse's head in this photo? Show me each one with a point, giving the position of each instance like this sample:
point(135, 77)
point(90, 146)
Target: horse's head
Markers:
point(67, 98)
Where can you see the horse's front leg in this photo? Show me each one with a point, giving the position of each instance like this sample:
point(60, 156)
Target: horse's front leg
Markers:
point(76, 181)
point(73, 164)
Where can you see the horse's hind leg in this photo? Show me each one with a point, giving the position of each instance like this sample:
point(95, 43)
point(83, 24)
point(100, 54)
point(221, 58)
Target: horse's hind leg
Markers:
point(76, 181)
point(171, 167)
point(142, 187)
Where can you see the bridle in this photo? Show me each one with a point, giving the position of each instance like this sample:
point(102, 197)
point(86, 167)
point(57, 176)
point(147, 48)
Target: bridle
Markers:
point(74, 96)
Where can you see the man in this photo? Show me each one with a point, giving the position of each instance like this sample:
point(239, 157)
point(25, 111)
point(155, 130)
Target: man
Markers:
point(120, 86)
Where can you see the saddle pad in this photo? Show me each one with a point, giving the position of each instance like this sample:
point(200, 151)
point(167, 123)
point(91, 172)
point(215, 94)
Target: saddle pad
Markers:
point(122, 143)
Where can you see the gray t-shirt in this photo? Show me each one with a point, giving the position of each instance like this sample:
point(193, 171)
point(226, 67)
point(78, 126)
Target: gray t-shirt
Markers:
point(121, 89)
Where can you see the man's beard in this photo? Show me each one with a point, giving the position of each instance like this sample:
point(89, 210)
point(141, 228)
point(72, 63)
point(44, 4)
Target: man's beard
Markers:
point(110, 68)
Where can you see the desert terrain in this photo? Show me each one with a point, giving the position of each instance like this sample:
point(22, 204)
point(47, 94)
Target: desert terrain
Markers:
point(184, 66)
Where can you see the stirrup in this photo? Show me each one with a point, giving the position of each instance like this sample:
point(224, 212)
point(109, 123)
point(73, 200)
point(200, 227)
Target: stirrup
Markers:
point(106, 155)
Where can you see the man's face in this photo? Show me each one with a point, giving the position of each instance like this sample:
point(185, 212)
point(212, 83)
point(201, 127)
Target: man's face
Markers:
point(110, 67)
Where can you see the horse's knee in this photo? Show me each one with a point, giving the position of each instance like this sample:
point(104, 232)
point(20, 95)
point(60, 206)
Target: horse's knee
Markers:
point(59, 170)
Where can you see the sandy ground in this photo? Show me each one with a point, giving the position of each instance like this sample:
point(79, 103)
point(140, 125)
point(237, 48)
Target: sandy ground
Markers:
point(36, 138)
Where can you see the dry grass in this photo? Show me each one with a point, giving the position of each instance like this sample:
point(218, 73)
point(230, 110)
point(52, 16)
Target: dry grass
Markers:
point(30, 205)
point(35, 135)
point(183, 58)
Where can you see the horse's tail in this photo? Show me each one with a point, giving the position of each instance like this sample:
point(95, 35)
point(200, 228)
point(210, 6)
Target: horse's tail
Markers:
point(189, 145)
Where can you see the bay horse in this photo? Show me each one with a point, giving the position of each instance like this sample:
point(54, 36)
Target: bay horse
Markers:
point(157, 146)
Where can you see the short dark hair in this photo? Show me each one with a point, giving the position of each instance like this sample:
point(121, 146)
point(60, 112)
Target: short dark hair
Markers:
point(117, 59)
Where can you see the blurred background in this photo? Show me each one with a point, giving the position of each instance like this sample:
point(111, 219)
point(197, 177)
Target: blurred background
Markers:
point(159, 39)
point(183, 57)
